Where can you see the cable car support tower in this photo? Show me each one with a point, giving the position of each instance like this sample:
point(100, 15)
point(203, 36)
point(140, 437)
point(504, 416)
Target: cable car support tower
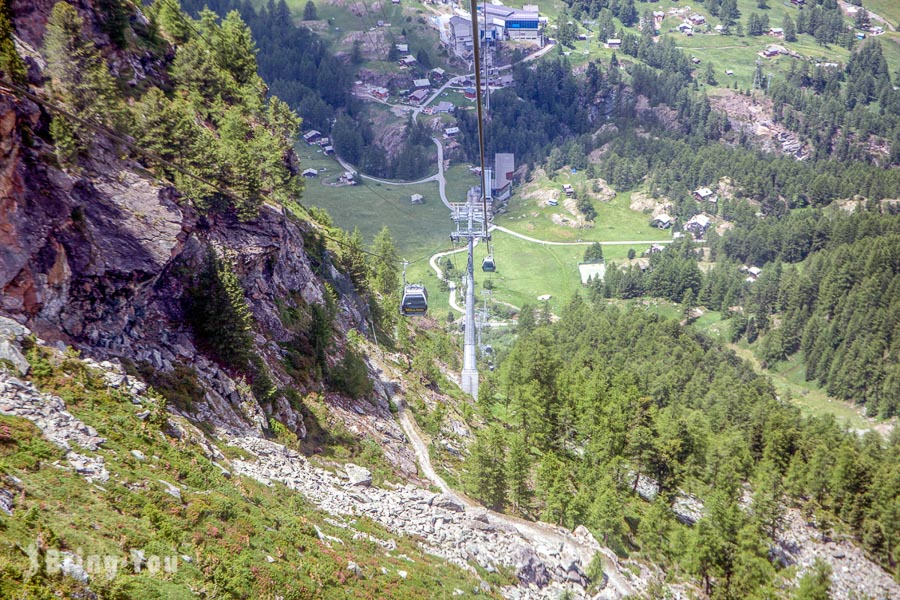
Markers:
point(473, 224)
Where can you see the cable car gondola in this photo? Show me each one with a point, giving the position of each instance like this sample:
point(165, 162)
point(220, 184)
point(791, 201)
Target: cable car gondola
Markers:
point(487, 264)
point(415, 300)
point(415, 297)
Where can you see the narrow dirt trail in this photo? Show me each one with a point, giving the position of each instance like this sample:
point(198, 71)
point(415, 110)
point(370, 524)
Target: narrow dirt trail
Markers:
point(537, 533)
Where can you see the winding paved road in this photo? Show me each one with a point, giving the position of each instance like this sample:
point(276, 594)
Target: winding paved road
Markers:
point(440, 275)
point(439, 176)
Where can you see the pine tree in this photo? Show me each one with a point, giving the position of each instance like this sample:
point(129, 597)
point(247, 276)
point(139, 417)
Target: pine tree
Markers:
point(518, 468)
point(607, 509)
point(767, 507)
point(627, 13)
point(555, 490)
point(728, 13)
point(236, 51)
point(423, 58)
point(115, 20)
point(353, 259)
point(815, 583)
point(385, 275)
point(527, 321)
point(11, 65)
point(486, 468)
point(309, 11)
point(235, 153)
point(862, 19)
point(68, 146)
point(687, 303)
point(219, 312)
point(593, 253)
point(654, 527)
point(710, 75)
point(78, 73)
point(166, 128)
point(173, 21)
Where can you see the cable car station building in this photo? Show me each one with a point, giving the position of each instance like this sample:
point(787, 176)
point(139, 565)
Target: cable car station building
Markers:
point(496, 22)
point(515, 24)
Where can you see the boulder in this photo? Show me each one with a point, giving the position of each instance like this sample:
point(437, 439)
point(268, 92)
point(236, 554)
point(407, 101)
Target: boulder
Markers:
point(171, 489)
point(9, 353)
point(530, 569)
point(7, 501)
point(355, 569)
point(10, 330)
point(447, 503)
point(358, 475)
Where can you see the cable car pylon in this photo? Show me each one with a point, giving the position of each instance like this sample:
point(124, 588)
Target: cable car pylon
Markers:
point(470, 220)
point(472, 223)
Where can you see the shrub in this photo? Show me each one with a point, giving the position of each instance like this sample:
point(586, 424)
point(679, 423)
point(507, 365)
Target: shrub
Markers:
point(350, 376)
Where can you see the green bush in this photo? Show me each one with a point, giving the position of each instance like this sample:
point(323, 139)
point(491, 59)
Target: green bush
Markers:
point(350, 376)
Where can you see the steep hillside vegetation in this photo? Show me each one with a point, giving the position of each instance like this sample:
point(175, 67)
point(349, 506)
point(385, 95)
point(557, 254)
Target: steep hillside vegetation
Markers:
point(150, 217)
point(106, 494)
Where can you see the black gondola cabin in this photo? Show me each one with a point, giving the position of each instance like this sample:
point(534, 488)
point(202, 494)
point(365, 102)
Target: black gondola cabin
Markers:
point(415, 300)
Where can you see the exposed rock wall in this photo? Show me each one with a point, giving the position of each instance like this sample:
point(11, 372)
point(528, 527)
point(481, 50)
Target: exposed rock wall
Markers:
point(99, 258)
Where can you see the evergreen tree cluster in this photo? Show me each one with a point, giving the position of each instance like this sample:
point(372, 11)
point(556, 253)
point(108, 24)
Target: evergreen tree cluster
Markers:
point(219, 122)
point(301, 69)
point(828, 290)
point(847, 109)
point(294, 61)
point(670, 274)
point(11, 65)
point(673, 167)
point(554, 110)
point(624, 10)
point(80, 81)
point(222, 141)
point(839, 307)
point(219, 314)
point(606, 396)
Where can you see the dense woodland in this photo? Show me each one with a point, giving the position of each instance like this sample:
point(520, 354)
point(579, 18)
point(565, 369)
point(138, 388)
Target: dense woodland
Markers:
point(672, 162)
point(830, 290)
point(583, 407)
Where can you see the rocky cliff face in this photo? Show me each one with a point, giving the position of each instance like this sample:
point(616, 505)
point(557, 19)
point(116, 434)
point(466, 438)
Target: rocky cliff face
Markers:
point(100, 259)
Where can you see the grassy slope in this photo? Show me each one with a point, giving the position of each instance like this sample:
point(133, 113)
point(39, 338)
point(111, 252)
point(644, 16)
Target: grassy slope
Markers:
point(417, 229)
point(789, 379)
point(226, 526)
